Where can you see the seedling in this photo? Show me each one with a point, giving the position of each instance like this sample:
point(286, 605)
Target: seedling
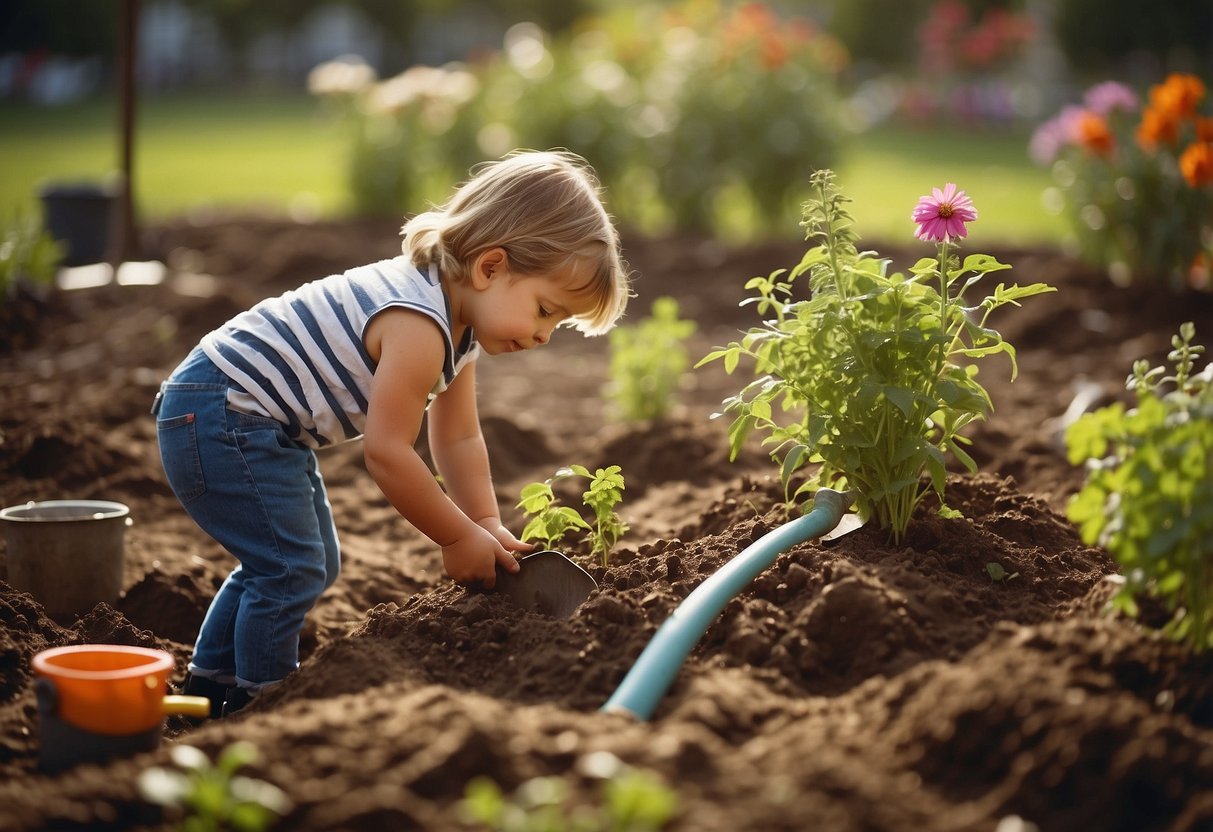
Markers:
point(550, 522)
point(1148, 497)
point(871, 378)
point(648, 359)
point(212, 796)
point(998, 573)
point(632, 801)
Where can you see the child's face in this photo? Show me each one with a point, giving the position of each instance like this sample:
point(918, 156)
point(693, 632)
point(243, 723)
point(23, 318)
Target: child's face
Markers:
point(510, 313)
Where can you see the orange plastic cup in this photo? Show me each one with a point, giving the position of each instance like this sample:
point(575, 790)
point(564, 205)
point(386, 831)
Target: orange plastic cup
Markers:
point(108, 689)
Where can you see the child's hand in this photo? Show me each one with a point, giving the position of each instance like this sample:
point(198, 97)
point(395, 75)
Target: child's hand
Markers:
point(472, 558)
point(505, 538)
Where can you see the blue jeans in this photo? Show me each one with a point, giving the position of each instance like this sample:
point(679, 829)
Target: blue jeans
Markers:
point(260, 495)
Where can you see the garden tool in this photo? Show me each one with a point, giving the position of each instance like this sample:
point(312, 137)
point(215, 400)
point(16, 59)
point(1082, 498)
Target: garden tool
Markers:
point(547, 582)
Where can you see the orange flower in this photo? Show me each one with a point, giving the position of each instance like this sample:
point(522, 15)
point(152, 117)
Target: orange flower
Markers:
point(774, 52)
point(1204, 129)
point(1178, 95)
point(1094, 134)
point(1157, 127)
point(1196, 164)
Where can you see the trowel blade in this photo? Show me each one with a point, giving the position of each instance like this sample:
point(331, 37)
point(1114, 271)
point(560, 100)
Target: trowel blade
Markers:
point(547, 582)
point(848, 524)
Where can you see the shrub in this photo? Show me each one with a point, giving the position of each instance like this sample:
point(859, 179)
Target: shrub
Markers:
point(871, 376)
point(1148, 497)
point(1136, 182)
point(692, 114)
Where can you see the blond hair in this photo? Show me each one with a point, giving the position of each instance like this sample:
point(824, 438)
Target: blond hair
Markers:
point(544, 208)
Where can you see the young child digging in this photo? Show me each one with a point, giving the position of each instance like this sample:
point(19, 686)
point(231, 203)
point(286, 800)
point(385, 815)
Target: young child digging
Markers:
point(522, 247)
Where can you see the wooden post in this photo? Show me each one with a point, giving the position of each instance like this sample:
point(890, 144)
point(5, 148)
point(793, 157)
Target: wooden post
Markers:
point(124, 241)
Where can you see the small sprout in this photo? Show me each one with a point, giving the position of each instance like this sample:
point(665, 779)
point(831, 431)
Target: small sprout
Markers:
point(550, 522)
point(213, 796)
point(997, 573)
point(632, 800)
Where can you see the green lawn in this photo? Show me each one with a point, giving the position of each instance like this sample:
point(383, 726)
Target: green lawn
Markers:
point(190, 152)
point(278, 152)
point(885, 171)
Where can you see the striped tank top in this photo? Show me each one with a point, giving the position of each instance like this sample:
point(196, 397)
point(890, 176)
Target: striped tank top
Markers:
point(300, 358)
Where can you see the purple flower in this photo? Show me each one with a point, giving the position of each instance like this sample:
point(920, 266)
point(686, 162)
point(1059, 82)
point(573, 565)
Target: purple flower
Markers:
point(1102, 99)
point(942, 215)
point(1047, 142)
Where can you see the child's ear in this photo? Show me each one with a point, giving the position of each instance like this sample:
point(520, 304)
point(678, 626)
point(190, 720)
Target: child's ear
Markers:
point(489, 264)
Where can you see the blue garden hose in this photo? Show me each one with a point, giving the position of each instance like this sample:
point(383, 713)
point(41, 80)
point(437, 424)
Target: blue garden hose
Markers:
point(648, 680)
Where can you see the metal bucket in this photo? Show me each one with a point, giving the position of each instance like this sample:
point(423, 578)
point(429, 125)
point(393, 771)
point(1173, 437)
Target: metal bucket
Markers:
point(80, 215)
point(66, 553)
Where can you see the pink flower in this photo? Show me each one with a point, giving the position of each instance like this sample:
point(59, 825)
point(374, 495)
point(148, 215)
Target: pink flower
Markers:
point(941, 217)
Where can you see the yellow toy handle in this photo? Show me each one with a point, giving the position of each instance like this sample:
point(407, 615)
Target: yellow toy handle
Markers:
point(186, 705)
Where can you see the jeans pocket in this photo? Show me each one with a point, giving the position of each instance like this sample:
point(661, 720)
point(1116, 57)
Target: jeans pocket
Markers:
point(179, 452)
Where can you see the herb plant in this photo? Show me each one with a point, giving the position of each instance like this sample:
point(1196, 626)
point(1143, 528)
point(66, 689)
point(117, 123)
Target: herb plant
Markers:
point(550, 522)
point(1148, 497)
point(870, 377)
point(212, 796)
point(648, 359)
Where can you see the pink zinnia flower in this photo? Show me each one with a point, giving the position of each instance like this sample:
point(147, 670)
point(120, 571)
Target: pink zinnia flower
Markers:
point(941, 217)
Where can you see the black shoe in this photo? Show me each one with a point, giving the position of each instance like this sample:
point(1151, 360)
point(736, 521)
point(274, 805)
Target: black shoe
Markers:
point(217, 692)
point(237, 698)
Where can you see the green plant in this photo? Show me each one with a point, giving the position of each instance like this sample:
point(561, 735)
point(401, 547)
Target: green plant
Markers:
point(998, 573)
point(550, 522)
point(1148, 497)
point(1136, 182)
point(648, 360)
point(872, 376)
point(211, 797)
point(632, 801)
point(28, 254)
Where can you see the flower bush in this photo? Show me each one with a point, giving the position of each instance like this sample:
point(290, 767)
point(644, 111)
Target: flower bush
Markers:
point(691, 113)
point(872, 376)
point(1136, 179)
point(409, 135)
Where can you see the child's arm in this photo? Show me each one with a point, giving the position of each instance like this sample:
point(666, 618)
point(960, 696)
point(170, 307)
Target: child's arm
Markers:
point(410, 352)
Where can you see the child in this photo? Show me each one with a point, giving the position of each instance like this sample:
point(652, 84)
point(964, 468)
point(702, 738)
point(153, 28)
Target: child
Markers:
point(522, 247)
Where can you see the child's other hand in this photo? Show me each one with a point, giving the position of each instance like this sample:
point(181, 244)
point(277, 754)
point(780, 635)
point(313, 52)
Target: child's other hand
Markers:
point(472, 558)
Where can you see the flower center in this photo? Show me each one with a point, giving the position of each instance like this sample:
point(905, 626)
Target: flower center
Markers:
point(945, 210)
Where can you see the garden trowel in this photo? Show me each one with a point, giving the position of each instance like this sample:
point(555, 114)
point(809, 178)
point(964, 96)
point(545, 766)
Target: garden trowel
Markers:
point(547, 582)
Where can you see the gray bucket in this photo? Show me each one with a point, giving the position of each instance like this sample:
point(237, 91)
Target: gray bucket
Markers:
point(66, 553)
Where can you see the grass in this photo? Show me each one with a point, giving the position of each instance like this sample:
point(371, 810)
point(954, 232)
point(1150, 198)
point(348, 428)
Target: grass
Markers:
point(277, 152)
point(273, 152)
point(884, 172)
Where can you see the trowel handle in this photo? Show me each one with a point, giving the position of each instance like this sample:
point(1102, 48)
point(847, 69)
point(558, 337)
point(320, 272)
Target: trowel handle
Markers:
point(186, 705)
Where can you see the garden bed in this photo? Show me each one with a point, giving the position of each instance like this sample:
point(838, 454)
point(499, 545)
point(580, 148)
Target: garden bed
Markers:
point(854, 685)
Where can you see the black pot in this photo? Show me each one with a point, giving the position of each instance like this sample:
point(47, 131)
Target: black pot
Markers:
point(81, 217)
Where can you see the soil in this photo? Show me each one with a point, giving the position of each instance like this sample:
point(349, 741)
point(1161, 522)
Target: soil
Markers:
point(854, 685)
